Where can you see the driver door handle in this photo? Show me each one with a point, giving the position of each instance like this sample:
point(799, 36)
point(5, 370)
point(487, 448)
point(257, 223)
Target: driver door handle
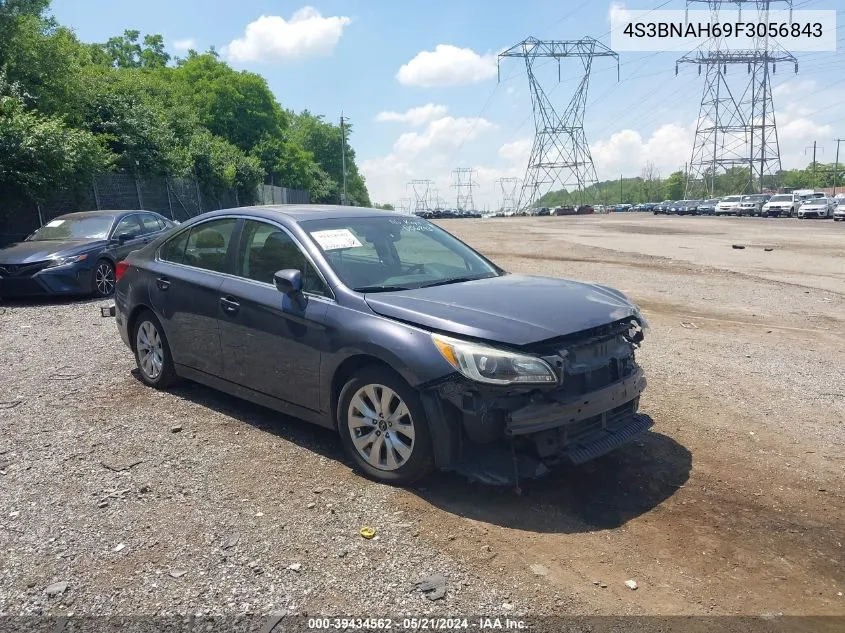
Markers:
point(163, 283)
point(229, 305)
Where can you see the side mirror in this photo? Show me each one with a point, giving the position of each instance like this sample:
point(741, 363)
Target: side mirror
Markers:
point(124, 237)
point(289, 282)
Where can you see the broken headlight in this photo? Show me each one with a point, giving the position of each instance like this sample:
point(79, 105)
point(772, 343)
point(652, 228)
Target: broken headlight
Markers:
point(493, 366)
point(638, 315)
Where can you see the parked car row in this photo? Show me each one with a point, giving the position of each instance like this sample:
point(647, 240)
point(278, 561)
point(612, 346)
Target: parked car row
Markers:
point(796, 205)
point(437, 214)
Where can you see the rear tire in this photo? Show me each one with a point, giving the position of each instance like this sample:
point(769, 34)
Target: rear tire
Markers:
point(383, 427)
point(152, 352)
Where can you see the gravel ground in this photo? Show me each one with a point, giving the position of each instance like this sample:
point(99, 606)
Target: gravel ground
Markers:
point(189, 501)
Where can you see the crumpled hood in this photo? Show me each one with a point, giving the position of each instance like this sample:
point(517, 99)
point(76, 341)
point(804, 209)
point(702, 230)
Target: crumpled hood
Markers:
point(511, 309)
point(38, 251)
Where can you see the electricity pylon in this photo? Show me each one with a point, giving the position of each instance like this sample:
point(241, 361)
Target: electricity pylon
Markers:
point(560, 155)
point(736, 127)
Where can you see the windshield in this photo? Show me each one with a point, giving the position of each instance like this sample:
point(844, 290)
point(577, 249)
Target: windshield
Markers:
point(815, 201)
point(91, 227)
point(395, 253)
point(731, 199)
point(712, 201)
point(781, 198)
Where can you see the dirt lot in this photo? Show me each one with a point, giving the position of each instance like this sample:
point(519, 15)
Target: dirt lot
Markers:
point(190, 501)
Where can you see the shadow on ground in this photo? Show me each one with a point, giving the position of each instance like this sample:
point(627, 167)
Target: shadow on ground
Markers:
point(599, 495)
point(602, 494)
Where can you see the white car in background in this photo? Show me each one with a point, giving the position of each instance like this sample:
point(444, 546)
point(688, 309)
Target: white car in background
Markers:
point(782, 204)
point(839, 212)
point(728, 205)
point(817, 208)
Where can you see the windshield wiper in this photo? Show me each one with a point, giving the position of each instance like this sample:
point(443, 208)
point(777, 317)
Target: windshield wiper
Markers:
point(452, 280)
point(379, 288)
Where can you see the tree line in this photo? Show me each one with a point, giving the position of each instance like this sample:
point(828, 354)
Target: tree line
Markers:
point(70, 110)
point(650, 187)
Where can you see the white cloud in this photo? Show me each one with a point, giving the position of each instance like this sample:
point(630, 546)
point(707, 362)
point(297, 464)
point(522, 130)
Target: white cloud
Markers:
point(443, 133)
point(615, 9)
point(414, 116)
point(272, 38)
point(626, 152)
point(185, 45)
point(427, 154)
point(447, 65)
point(517, 151)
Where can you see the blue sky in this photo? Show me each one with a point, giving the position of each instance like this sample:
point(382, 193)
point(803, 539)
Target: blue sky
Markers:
point(418, 81)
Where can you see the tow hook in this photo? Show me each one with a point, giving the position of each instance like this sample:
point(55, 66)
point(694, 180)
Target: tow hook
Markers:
point(107, 311)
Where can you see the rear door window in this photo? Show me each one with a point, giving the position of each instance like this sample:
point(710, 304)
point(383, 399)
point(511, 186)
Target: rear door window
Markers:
point(203, 246)
point(208, 244)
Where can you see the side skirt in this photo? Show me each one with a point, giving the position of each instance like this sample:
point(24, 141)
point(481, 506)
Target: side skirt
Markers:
point(239, 391)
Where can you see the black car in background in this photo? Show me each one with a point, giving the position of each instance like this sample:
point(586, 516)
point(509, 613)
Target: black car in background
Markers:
point(417, 349)
point(708, 207)
point(75, 254)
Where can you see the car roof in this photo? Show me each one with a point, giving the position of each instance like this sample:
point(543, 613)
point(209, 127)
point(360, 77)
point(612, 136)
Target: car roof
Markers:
point(103, 213)
point(302, 212)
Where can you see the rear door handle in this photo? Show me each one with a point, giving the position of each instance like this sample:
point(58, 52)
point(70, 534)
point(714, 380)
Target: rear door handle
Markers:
point(163, 283)
point(229, 305)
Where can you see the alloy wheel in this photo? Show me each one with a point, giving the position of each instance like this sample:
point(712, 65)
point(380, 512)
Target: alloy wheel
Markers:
point(104, 279)
point(381, 427)
point(150, 350)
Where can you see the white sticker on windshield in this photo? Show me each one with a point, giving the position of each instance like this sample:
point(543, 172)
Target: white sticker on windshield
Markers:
point(55, 223)
point(335, 239)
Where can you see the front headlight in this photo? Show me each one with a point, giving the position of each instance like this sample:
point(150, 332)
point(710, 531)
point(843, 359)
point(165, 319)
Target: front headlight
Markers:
point(63, 261)
point(493, 366)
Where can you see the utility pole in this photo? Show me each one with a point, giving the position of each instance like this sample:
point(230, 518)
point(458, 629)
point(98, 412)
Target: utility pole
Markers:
point(344, 198)
point(814, 161)
point(836, 164)
point(620, 189)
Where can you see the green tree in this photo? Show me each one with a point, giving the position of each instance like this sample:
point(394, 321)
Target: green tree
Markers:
point(220, 166)
point(237, 106)
point(43, 58)
point(40, 153)
point(324, 140)
point(673, 187)
point(125, 51)
point(130, 123)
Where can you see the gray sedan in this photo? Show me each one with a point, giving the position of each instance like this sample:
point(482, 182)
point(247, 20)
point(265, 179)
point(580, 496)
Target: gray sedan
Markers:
point(418, 350)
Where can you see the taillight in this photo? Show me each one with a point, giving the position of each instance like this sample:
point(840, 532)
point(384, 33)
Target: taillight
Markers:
point(119, 269)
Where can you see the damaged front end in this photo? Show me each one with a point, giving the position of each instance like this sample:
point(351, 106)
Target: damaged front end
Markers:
point(514, 431)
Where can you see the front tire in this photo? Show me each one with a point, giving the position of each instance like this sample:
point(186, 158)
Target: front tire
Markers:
point(104, 279)
point(383, 427)
point(152, 352)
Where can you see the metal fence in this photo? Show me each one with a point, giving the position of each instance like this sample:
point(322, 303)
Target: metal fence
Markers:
point(175, 198)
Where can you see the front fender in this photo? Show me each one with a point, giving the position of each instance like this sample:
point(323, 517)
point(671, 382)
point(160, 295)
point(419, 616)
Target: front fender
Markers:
point(405, 348)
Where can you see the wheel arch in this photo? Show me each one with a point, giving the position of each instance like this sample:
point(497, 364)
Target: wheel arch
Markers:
point(345, 370)
point(133, 319)
point(444, 423)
